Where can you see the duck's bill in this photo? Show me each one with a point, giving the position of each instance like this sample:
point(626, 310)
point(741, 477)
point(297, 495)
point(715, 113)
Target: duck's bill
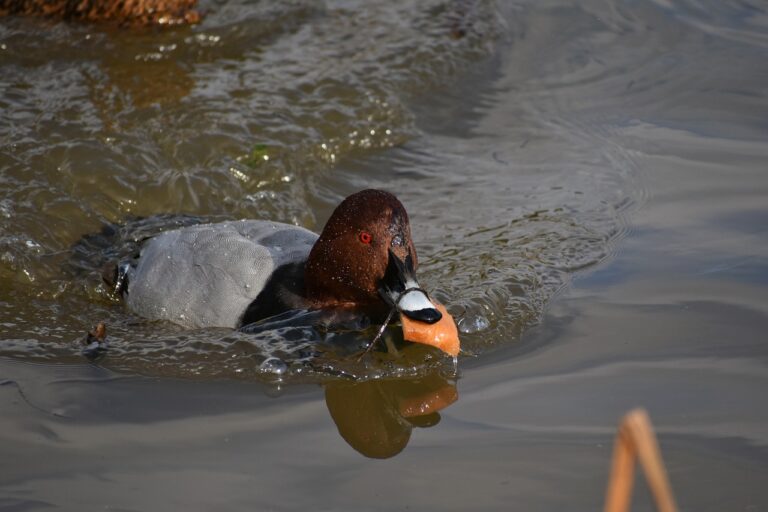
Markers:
point(424, 321)
point(416, 305)
point(400, 289)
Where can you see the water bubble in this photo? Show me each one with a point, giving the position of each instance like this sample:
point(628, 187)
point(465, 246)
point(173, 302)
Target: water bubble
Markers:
point(473, 322)
point(274, 366)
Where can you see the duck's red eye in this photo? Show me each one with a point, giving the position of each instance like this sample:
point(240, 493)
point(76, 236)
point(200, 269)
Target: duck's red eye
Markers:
point(365, 237)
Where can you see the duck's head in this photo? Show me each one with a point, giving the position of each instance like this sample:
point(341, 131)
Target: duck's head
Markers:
point(365, 257)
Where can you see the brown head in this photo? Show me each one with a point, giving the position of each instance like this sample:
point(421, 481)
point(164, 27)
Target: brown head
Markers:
point(365, 257)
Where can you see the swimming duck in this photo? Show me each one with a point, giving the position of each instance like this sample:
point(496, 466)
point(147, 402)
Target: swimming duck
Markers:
point(234, 273)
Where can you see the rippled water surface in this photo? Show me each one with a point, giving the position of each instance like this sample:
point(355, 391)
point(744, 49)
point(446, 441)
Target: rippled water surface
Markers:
point(277, 112)
point(587, 189)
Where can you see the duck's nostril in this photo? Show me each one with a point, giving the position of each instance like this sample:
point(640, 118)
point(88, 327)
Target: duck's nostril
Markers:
point(427, 315)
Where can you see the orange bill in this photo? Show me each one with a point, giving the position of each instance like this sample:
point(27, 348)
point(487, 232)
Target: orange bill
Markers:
point(443, 334)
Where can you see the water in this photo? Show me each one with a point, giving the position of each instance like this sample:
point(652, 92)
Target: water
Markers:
point(586, 186)
point(266, 123)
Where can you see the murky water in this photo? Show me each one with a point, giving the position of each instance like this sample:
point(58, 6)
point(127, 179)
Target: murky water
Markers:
point(257, 113)
point(587, 190)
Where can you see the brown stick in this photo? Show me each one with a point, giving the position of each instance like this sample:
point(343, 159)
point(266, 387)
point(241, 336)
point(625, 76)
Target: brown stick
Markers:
point(636, 440)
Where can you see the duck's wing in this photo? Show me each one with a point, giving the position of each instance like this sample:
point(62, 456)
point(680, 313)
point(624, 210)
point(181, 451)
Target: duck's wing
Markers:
point(207, 275)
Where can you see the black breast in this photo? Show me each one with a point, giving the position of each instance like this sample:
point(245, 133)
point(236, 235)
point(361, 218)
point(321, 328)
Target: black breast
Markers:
point(284, 291)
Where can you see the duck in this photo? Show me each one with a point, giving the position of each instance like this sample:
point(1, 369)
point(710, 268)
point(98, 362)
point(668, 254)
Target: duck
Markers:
point(235, 273)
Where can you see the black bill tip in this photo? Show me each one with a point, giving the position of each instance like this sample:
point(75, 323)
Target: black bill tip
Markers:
point(427, 315)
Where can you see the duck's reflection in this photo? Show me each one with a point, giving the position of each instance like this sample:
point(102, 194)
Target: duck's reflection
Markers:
point(376, 417)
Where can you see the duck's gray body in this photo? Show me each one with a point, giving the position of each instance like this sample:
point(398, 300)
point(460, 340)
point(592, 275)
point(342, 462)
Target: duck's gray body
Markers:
point(207, 275)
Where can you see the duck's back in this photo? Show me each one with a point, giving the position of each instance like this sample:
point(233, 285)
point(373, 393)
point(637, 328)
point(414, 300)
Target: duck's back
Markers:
point(207, 275)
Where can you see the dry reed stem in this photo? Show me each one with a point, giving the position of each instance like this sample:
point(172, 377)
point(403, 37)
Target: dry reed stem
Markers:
point(636, 440)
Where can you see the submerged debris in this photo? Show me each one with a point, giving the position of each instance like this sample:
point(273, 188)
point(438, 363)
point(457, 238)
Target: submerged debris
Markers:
point(122, 12)
point(95, 341)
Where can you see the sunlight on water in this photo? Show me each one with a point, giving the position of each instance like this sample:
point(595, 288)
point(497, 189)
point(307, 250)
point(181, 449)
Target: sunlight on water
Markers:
point(277, 112)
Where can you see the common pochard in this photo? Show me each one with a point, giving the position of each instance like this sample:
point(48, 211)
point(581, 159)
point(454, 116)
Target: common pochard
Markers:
point(234, 273)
